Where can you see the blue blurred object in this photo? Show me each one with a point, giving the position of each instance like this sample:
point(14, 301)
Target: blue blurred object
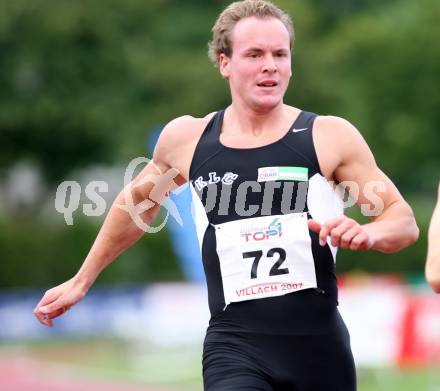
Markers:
point(140, 312)
point(183, 237)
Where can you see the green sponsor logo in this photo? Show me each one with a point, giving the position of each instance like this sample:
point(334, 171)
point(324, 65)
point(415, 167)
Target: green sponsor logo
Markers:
point(293, 174)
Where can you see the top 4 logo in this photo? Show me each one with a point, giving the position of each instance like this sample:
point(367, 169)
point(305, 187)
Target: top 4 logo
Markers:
point(227, 179)
point(274, 229)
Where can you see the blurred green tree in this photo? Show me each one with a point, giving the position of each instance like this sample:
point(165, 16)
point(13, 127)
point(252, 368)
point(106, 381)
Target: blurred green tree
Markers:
point(381, 70)
point(83, 82)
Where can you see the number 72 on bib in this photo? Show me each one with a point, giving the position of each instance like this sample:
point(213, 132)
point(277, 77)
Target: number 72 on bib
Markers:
point(265, 256)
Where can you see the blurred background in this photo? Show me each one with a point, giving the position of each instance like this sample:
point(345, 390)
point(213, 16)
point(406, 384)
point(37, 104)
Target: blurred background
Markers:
point(85, 87)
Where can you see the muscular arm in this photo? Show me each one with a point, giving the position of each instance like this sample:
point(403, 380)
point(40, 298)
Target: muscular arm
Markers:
point(432, 268)
point(392, 226)
point(119, 230)
point(122, 229)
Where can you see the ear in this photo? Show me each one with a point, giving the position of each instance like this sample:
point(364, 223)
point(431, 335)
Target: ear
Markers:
point(224, 64)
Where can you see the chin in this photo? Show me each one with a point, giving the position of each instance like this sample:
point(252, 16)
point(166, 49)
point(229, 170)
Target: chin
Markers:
point(264, 105)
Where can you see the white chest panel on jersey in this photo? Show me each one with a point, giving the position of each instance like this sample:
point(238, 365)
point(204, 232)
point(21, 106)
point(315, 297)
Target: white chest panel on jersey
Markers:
point(265, 256)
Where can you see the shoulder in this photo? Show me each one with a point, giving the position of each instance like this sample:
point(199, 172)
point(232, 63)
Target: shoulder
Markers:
point(332, 126)
point(341, 135)
point(184, 128)
point(178, 139)
point(340, 147)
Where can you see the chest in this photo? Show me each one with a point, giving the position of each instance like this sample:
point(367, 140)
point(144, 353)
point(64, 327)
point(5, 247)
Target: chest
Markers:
point(262, 181)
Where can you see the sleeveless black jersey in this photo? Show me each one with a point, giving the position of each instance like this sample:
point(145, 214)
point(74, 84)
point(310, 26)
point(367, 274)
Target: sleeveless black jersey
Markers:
point(281, 178)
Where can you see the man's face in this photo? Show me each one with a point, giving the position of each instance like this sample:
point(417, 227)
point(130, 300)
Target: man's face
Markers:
point(259, 68)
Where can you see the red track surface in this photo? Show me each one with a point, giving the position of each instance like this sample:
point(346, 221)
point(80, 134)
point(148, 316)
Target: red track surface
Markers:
point(18, 374)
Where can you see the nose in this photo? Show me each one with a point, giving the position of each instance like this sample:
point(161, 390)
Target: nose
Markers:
point(269, 64)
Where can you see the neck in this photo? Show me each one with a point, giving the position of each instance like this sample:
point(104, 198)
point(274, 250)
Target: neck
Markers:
point(245, 120)
point(248, 120)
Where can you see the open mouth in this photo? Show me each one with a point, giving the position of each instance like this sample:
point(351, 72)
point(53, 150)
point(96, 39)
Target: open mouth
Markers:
point(267, 84)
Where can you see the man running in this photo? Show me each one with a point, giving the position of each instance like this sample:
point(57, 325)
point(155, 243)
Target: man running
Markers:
point(432, 268)
point(267, 218)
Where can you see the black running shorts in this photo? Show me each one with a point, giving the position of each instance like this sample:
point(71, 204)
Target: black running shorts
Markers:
point(243, 361)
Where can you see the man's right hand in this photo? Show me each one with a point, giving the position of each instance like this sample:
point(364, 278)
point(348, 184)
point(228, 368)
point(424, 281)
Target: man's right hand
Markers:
point(58, 300)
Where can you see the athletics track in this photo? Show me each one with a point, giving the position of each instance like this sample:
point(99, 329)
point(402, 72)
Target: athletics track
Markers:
point(23, 374)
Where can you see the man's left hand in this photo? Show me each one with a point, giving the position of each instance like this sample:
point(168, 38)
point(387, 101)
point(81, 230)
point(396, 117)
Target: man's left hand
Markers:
point(344, 233)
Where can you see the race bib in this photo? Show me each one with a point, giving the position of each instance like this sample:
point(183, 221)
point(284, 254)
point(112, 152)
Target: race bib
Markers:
point(265, 256)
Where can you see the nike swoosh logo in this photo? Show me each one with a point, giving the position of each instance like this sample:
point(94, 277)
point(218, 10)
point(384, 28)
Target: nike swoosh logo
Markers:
point(298, 130)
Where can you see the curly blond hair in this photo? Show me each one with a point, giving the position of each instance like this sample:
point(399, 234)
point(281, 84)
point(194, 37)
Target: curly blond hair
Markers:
point(221, 32)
